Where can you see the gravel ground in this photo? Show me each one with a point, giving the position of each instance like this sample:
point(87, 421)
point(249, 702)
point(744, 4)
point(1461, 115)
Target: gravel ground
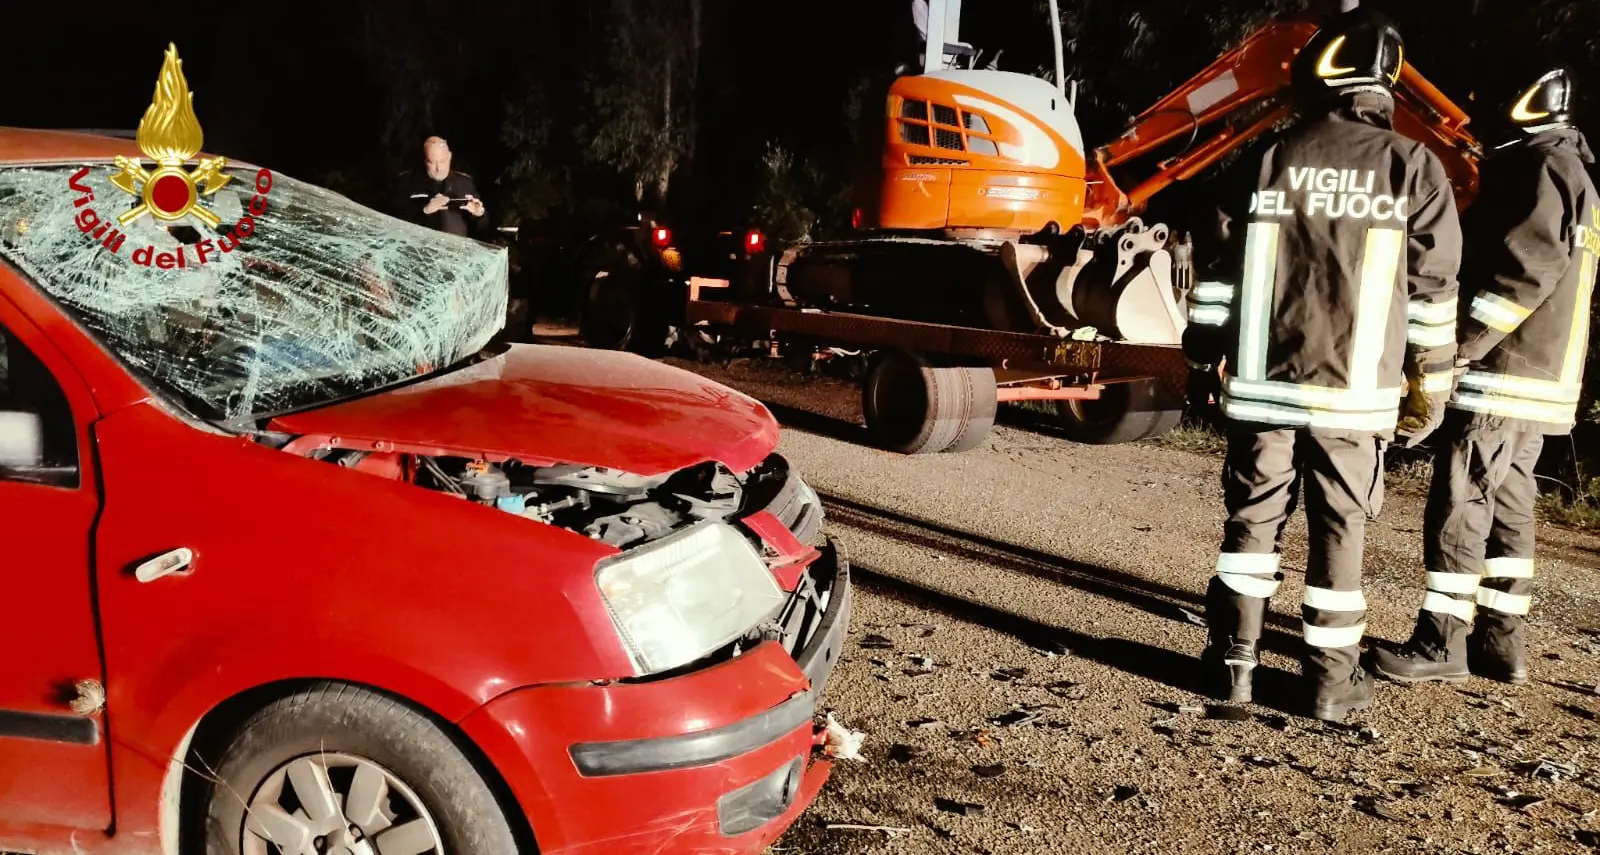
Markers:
point(1023, 654)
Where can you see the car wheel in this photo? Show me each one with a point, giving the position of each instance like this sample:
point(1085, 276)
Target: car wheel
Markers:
point(338, 770)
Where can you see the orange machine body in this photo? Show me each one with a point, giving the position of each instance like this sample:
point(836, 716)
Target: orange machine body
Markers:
point(1002, 152)
point(984, 150)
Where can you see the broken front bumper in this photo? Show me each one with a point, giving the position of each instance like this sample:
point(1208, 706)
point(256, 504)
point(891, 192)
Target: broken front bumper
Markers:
point(717, 760)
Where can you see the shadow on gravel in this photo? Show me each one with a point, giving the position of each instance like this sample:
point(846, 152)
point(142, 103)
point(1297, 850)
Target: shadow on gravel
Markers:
point(819, 424)
point(1281, 636)
point(1274, 688)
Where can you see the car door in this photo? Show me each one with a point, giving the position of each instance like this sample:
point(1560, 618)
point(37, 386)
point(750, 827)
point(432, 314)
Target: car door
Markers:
point(53, 760)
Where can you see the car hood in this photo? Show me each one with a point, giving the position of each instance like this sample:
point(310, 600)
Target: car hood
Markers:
point(551, 404)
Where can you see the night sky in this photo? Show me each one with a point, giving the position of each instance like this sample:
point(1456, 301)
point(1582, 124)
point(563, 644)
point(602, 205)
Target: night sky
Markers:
point(301, 88)
point(310, 89)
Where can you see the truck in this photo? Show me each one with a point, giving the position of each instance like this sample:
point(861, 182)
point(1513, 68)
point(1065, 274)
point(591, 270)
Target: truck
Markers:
point(996, 258)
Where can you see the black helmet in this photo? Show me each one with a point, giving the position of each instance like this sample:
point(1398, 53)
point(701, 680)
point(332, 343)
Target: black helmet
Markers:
point(1357, 50)
point(1545, 105)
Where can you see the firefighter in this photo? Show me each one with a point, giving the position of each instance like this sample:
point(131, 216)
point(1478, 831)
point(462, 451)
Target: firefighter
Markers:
point(1534, 235)
point(1334, 324)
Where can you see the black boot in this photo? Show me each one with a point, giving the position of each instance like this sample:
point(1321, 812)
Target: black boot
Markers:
point(1498, 649)
point(1336, 682)
point(1230, 657)
point(1437, 652)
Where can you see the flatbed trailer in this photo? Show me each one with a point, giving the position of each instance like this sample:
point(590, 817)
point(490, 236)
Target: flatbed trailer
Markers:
point(935, 387)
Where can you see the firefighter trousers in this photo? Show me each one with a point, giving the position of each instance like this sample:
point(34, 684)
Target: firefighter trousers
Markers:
point(1478, 537)
point(1341, 476)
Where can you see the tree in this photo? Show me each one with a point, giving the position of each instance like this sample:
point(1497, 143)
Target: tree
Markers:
point(641, 93)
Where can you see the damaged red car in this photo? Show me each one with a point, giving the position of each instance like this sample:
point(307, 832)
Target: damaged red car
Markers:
point(301, 562)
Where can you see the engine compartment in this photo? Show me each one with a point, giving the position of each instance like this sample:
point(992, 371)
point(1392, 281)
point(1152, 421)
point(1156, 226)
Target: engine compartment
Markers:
point(614, 507)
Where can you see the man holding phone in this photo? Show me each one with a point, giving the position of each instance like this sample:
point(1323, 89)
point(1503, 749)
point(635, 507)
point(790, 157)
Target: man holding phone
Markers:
point(439, 198)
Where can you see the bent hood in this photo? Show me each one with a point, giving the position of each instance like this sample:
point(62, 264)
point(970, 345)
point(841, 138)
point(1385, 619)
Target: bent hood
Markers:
point(547, 404)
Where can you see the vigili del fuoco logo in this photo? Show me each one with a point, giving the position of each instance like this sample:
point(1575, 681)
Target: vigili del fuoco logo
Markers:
point(169, 134)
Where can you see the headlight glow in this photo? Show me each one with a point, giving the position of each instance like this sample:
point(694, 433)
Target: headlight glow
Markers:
point(684, 596)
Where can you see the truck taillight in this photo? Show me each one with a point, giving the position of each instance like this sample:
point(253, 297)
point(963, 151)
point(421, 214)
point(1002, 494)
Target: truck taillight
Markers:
point(755, 242)
point(855, 219)
point(662, 238)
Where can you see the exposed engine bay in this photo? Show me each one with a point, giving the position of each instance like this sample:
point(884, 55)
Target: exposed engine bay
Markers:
point(608, 505)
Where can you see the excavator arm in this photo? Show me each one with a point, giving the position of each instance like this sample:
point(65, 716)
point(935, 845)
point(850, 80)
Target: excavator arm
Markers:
point(1242, 95)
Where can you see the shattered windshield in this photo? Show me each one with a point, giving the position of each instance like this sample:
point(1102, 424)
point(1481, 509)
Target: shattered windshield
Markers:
point(284, 296)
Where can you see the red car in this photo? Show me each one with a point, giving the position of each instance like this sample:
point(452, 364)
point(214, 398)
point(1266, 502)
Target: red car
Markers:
point(299, 562)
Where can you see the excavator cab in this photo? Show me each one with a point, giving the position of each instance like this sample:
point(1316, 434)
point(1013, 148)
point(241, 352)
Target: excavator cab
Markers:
point(970, 149)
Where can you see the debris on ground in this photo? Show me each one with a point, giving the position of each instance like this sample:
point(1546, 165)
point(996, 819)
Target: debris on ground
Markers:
point(840, 742)
point(1006, 675)
point(1123, 792)
point(1274, 721)
point(903, 753)
point(1519, 801)
point(1068, 690)
point(993, 771)
point(876, 642)
point(958, 808)
point(1222, 712)
point(1378, 807)
point(1549, 770)
point(924, 723)
point(1050, 648)
point(892, 831)
point(1026, 714)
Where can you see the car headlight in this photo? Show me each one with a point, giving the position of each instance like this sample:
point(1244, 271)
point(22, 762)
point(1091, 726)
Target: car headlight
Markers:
point(675, 600)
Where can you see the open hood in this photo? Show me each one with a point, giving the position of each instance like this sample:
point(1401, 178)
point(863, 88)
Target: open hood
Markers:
point(546, 405)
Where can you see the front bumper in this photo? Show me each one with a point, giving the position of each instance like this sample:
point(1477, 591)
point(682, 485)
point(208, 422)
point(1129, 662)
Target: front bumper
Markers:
point(717, 760)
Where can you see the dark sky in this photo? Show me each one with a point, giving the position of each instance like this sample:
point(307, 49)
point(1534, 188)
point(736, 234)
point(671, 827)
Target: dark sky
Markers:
point(306, 88)
point(290, 84)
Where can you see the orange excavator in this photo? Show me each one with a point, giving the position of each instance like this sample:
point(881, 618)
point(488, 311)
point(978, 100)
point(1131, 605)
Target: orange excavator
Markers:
point(992, 165)
point(992, 215)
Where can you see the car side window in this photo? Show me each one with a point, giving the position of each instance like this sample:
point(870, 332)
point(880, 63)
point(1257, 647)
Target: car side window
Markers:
point(38, 438)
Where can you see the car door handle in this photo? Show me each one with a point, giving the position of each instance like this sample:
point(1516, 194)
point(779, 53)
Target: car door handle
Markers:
point(176, 561)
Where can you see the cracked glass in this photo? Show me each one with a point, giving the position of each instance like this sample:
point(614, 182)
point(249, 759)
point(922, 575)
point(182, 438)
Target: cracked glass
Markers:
point(317, 299)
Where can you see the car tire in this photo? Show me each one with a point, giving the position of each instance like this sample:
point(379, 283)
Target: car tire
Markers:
point(914, 408)
point(355, 737)
point(1124, 412)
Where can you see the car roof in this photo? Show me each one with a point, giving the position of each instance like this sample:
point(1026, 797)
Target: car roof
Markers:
point(31, 145)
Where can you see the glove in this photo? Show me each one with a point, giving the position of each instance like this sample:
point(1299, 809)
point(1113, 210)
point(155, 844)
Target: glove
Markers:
point(1421, 411)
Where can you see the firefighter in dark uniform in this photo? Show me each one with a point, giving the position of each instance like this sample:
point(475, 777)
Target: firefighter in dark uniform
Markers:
point(1534, 239)
point(1334, 324)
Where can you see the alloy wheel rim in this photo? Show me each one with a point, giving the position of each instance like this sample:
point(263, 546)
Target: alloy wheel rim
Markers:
point(337, 804)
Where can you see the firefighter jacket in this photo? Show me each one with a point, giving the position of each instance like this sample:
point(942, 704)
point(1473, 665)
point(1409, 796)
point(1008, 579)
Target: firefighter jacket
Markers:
point(1345, 285)
point(1534, 240)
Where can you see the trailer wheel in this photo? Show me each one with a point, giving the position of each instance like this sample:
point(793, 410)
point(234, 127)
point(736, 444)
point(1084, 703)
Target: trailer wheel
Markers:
point(1124, 412)
point(914, 408)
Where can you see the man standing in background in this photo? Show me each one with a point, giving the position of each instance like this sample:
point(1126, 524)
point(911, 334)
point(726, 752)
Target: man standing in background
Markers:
point(439, 198)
